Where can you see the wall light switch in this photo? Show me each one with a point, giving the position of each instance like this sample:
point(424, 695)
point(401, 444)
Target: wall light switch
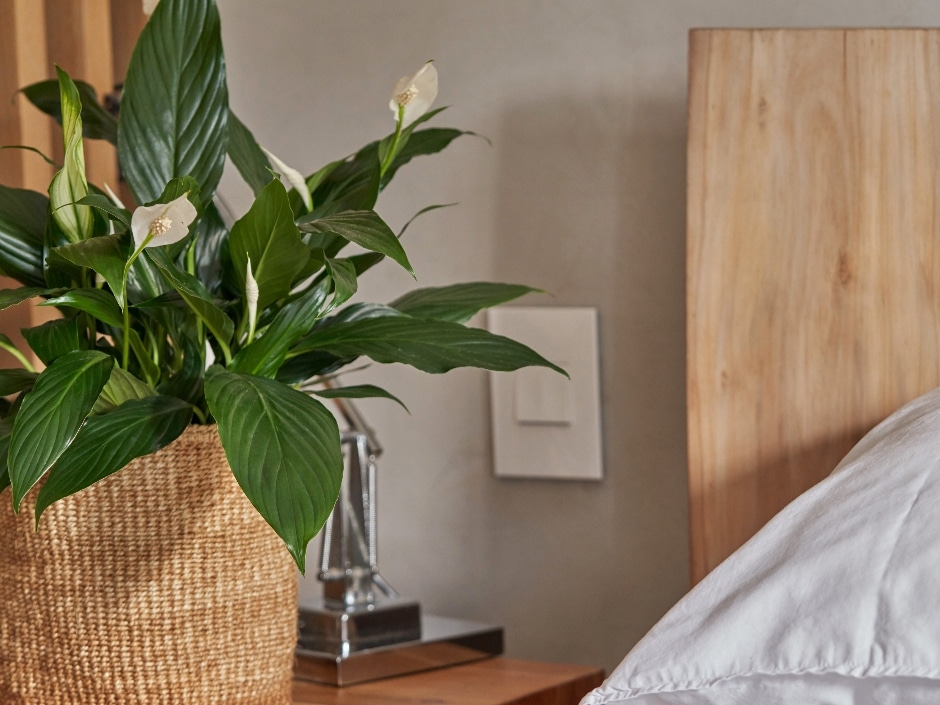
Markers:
point(542, 399)
point(545, 425)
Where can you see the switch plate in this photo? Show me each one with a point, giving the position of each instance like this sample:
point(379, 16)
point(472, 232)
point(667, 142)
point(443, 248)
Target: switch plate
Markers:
point(545, 426)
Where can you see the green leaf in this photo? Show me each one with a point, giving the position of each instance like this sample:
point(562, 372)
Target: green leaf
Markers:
point(267, 235)
point(364, 228)
point(97, 123)
point(187, 381)
point(69, 185)
point(343, 273)
point(265, 355)
point(106, 206)
point(148, 368)
point(107, 255)
point(457, 302)
point(247, 156)
point(211, 248)
point(174, 108)
point(121, 386)
point(52, 414)
point(12, 297)
point(99, 303)
point(358, 391)
point(353, 184)
point(45, 158)
point(23, 216)
point(16, 380)
point(107, 443)
point(194, 294)
point(422, 143)
point(53, 339)
point(284, 450)
point(431, 346)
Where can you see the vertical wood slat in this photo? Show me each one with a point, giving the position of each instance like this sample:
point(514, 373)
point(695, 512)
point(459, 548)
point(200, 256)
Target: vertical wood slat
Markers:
point(91, 40)
point(23, 61)
point(813, 260)
point(79, 41)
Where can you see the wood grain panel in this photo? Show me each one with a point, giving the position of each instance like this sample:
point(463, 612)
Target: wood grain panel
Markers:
point(23, 61)
point(813, 261)
point(79, 40)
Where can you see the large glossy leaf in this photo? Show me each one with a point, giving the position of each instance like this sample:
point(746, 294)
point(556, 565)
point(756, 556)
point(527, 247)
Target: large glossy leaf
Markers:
point(106, 206)
point(97, 123)
point(358, 391)
point(364, 228)
point(12, 297)
point(353, 184)
point(121, 386)
point(431, 346)
point(457, 302)
point(22, 230)
point(51, 415)
point(106, 255)
point(345, 285)
point(69, 184)
point(247, 156)
point(53, 339)
point(211, 248)
point(284, 450)
point(107, 443)
point(266, 354)
point(99, 303)
point(267, 235)
point(16, 380)
point(174, 108)
point(194, 294)
point(421, 143)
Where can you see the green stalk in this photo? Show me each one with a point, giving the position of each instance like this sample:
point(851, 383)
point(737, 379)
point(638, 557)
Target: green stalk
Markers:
point(394, 148)
point(22, 359)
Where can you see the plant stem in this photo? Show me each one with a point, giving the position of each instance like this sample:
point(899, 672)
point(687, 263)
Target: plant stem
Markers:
point(21, 358)
point(387, 162)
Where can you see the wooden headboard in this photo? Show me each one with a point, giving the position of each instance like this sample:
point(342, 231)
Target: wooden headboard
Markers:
point(813, 296)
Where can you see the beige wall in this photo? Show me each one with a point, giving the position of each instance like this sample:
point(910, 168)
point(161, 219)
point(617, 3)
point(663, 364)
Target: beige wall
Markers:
point(582, 194)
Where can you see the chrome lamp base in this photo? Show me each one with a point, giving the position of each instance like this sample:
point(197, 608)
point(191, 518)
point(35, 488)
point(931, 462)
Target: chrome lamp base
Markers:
point(368, 651)
point(361, 629)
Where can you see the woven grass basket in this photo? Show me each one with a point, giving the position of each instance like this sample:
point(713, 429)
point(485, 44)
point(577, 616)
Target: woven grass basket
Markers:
point(160, 585)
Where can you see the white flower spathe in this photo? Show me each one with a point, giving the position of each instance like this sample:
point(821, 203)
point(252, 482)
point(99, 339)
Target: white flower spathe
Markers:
point(162, 223)
point(294, 178)
point(150, 6)
point(414, 94)
point(251, 298)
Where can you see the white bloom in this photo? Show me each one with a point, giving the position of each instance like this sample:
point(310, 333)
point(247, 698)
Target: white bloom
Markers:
point(251, 298)
point(210, 355)
point(415, 94)
point(162, 223)
point(150, 6)
point(294, 178)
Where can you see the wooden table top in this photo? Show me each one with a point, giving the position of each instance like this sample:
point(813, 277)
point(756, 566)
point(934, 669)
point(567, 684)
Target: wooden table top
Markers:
point(495, 681)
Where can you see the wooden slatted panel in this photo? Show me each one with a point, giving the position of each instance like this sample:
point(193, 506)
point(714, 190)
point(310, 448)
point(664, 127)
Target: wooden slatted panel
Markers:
point(78, 35)
point(813, 259)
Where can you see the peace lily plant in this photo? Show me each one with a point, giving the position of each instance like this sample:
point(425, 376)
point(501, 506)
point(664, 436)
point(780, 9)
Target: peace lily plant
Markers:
point(171, 318)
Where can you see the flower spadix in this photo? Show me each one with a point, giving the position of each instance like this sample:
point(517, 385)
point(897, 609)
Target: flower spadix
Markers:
point(162, 223)
point(413, 95)
point(251, 300)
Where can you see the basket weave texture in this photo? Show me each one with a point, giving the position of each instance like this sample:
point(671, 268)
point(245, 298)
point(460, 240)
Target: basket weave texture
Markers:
point(160, 584)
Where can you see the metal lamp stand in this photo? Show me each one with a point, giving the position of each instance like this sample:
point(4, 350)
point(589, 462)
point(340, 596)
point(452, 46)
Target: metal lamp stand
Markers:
point(361, 629)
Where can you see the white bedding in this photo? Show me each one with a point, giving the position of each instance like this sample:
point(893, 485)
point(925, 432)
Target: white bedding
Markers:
point(835, 602)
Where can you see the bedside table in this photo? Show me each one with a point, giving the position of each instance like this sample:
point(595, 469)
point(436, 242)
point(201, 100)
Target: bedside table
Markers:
point(495, 681)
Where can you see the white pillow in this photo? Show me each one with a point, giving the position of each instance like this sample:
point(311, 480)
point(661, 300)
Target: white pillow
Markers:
point(835, 602)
